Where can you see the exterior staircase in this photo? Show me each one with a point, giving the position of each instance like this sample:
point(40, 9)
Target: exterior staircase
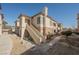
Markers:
point(35, 34)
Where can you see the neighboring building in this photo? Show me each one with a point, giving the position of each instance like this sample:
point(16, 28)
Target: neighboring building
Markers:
point(40, 23)
point(17, 27)
point(13, 28)
point(45, 24)
point(6, 28)
point(6, 31)
point(2, 22)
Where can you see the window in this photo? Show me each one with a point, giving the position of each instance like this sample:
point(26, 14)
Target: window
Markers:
point(38, 20)
point(54, 31)
point(58, 30)
point(59, 25)
point(54, 24)
point(50, 23)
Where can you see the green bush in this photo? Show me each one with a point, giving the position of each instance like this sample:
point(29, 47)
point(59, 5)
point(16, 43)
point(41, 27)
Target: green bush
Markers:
point(76, 33)
point(67, 33)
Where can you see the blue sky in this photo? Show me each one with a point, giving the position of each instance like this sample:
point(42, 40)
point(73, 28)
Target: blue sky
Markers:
point(64, 13)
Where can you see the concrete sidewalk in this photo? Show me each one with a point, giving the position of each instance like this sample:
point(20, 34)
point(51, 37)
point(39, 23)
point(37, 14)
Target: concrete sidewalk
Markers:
point(10, 44)
point(18, 47)
point(5, 45)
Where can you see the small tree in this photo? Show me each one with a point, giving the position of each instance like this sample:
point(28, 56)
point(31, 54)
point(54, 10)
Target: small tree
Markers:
point(67, 33)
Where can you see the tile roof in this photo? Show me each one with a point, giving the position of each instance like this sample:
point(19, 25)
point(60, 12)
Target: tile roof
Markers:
point(24, 15)
point(40, 13)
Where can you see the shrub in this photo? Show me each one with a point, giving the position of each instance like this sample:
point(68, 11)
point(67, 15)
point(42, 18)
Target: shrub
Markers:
point(76, 33)
point(67, 33)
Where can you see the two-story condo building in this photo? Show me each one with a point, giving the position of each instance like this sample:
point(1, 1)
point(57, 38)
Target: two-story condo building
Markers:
point(41, 24)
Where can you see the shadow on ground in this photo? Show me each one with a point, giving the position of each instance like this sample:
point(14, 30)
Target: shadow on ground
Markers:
point(60, 48)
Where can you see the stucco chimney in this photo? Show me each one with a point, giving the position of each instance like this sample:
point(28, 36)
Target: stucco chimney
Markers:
point(45, 11)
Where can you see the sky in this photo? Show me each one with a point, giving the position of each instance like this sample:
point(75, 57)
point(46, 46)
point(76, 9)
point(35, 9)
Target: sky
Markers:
point(64, 13)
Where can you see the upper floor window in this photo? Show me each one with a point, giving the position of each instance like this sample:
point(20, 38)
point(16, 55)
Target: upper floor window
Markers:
point(59, 25)
point(38, 20)
point(54, 24)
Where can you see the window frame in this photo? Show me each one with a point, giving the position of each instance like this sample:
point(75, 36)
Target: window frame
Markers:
point(38, 20)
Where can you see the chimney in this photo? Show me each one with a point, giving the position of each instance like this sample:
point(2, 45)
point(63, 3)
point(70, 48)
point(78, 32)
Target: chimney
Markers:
point(45, 11)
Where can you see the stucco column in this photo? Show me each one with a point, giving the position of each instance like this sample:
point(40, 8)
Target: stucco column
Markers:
point(41, 27)
point(22, 32)
point(44, 28)
point(45, 11)
point(41, 24)
point(19, 31)
point(23, 26)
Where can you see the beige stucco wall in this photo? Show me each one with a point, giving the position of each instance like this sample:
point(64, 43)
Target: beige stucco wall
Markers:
point(34, 21)
point(22, 26)
point(47, 21)
point(48, 27)
point(17, 26)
